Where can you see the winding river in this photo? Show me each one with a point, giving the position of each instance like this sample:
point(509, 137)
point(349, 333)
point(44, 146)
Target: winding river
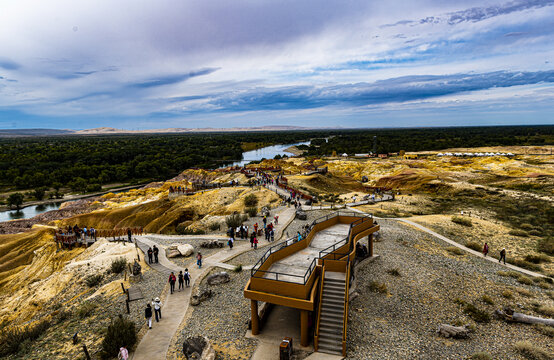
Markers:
point(268, 152)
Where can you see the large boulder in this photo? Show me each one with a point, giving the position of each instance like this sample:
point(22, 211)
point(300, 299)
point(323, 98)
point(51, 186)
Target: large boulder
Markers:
point(172, 253)
point(198, 347)
point(212, 244)
point(301, 215)
point(185, 249)
point(202, 295)
point(265, 211)
point(219, 278)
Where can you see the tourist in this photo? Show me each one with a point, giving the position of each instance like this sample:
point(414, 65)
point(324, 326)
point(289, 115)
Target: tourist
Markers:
point(276, 218)
point(181, 280)
point(156, 251)
point(255, 242)
point(485, 249)
point(230, 243)
point(252, 236)
point(298, 236)
point(256, 228)
point(149, 255)
point(148, 315)
point(129, 234)
point(502, 255)
point(186, 276)
point(172, 280)
point(199, 260)
point(272, 235)
point(157, 309)
point(265, 220)
point(123, 352)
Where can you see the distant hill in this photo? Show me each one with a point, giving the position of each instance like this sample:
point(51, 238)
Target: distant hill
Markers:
point(110, 130)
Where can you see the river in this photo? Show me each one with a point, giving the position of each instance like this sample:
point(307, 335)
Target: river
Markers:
point(268, 152)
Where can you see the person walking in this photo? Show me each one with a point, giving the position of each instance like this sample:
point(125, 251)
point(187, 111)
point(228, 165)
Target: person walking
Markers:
point(150, 255)
point(181, 280)
point(272, 235)
point(252, 236)
point(199, 260)
point(298, 236)
point(157, 309)
point(148, 315)
point(172, 280)
point(276, 218)
point(129, 235)
point(485, 249)
point(123, 353)
point(230, 242)
point(186, 276)
point(156, 251)
point(502, 255)
point(255, 242)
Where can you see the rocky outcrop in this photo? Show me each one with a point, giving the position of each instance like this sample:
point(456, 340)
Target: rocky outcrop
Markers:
point(301, 215)
point(219, 278)
point(202, 295)
point(211, 244)
point(176, 250)
point(198, 347)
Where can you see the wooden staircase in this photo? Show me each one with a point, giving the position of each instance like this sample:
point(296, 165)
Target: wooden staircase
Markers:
point(331, 322)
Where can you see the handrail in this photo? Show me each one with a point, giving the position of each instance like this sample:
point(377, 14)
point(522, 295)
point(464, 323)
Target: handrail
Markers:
point(318, 316)
point(345, 315)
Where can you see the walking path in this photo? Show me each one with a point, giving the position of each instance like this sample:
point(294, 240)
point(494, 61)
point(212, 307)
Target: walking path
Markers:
point(460, 246)
point(155, 344)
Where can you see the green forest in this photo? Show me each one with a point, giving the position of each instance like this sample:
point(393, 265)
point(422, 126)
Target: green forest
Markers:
point(85, 163)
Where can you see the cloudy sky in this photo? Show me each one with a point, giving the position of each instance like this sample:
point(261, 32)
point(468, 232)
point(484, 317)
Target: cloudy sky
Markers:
point(154, 64)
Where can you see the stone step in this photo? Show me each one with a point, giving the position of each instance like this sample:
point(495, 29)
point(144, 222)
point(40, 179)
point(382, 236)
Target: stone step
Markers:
point(331, 329)
point(331, 323)
point(333, 291)
point(330, 343)
point(334, 281)
point(333, 286)
point(330, 350)
point(326, 309)
point(330, 315)
point(333, 298)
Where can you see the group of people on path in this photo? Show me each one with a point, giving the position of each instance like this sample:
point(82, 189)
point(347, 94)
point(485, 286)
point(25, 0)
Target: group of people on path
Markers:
point(184, 280)
point(502, 253)
point(153, 251)
point(157, 305)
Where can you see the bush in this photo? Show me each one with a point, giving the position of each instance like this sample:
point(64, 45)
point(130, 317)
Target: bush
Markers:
point(525, 264)
point(393, 272)
point(546, 310)
point(531, 351)
point(238, 268)
point(86, 309)
point(508, 294)
point(120, 332)
point(462, 220)
point(215, 226)
point(63, 314)
point(526, 226)
point(250, 200)
point(235, 220)
point(455, 250)
point(545, 329)
point(537, 259)
point(487, 299)
point(524, 292)
point(546, 245)
point(12, 339)
point(517, 232)
point(378, 287)
point(524, 280)
point(93, 280)
point(188, 231)
point(474, 245)
point(118, 265)
point(477, 314)
point(481, 356)
point(252, 211)
point(510, 273)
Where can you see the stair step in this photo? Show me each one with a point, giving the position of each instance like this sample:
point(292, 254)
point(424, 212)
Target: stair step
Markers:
point(333, 297)
point(331, 343)
point(330, 335)
point(332, 310)
point(333, 304)
point(327, 285)
point(334, 281)
point(330, 323)
point(330, 350)
point(329, 315)
point(335, 292)
point(331, 329)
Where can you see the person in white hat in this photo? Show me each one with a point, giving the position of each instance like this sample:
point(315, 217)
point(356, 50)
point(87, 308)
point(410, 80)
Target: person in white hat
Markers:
point(157, 304)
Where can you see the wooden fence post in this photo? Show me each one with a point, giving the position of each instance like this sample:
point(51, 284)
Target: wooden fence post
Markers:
point(87, 356)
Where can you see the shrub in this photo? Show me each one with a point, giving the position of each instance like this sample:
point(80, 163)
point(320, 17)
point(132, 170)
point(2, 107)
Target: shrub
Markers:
point(517, 232)
point(524, 292)
point(455, 250)
point(546, 245)
point(508, 294)
point(378, 287)
point(525, 264)
point(238, 268)
point(481, 356)
point(462, 220)
point(86, 309)
point(524, 280)
point(545, 329)
point(526, 226)
point(531, 351)
point(189, 231)
point(535, 232)
point(120, 332)
point(393, 272)
point(537, 259)
point(546, 310)
point(93, 280)
point(12, 339)
point(118, 265)
point(250, 200)
point(477, 314)
point(474, 245)
point(63, 314)
point(487, 299)
point(234, 220)
point(510, 273)
point(215, 226)
point(252, 211)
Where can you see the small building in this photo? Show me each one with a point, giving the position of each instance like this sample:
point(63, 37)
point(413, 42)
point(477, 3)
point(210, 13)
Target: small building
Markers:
point(410, 156)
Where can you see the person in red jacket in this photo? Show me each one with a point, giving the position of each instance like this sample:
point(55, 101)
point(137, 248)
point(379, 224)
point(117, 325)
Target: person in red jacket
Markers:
point(172, 280)
point(255, 242)
point(485, 249)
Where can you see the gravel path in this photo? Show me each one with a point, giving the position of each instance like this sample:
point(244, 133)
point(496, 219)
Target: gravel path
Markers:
point(402, 323)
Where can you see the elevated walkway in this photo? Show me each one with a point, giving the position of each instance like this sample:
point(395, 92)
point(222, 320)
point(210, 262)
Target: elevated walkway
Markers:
point(293, 273)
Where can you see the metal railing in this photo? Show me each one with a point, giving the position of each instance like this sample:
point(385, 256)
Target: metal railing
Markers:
point(275, 248)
